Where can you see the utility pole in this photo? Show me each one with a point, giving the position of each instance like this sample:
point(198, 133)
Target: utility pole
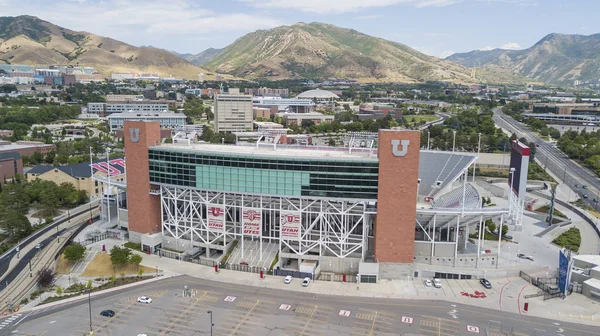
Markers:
point(90, 309)
point(211, 322)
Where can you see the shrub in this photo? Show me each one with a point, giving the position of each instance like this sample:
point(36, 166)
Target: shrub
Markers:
point(74, 252)
point(45, 277)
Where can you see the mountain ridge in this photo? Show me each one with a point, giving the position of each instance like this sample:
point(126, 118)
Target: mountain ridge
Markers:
point(29, 40)
point(319, 50)
point(556, 58)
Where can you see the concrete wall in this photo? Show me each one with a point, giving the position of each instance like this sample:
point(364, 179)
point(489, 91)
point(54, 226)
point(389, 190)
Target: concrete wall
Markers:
point(495, 190)
point(444, 250)
point(485, 260)
point(395, 270)
point(123, 218)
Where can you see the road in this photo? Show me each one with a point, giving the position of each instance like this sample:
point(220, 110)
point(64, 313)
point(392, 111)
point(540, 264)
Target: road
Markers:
point(244, 310)
point(554, 160)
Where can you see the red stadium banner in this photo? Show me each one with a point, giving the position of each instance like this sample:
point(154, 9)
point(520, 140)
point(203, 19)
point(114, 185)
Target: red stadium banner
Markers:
point(290, 225)
point(252, 221)
point(215, 217)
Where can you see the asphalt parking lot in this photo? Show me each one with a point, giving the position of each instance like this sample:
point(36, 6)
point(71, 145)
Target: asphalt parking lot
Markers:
point(239, 310)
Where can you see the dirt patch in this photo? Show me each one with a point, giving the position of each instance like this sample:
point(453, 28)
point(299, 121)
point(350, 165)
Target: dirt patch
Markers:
point(63, 266)
point(101, 266)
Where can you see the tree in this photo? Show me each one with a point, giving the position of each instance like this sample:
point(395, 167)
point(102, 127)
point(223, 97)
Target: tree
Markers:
point(45, 277)
point(136, 260)
point(16, 224)
point(74, 252)
point(331, 142)
point(504, 230)
point(119, 256)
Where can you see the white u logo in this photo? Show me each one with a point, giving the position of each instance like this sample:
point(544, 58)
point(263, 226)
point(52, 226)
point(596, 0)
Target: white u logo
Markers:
point(403, 143)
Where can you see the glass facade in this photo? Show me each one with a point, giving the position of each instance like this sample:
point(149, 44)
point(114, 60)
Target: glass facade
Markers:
point(284, 176)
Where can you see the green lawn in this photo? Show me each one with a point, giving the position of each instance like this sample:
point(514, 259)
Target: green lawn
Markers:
point(545, 209)
point(570, 239)
point(419, 118)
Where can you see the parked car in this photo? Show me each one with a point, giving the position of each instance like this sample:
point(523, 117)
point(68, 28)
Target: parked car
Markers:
point(595, 200)
point(288, 279)
point(144, 299)
point(485, 283)
point(427, 283)
point(521, 255)
point(584, 186)
point(437, 283)
point(508, 237)
point(585, 196)
point(305, 282)
point(107, 313)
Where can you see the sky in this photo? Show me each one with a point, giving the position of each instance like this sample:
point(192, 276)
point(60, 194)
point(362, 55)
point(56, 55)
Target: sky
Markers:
point(435, 27)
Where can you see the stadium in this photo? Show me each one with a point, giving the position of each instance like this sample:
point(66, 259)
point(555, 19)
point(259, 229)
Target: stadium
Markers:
point(378, 208)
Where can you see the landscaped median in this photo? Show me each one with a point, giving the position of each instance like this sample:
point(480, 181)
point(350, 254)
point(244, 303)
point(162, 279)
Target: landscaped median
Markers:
point(94, 292)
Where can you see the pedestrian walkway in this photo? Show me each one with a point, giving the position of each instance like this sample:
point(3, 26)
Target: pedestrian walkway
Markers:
point(80, 266)
point(9, 321)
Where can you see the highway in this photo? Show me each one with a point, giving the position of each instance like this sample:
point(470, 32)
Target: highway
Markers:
point(554, 160)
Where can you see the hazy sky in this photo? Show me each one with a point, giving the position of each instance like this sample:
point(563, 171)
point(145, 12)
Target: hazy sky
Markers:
point(435, 27)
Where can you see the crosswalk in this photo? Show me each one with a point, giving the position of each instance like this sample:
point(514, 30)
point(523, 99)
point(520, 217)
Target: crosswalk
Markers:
point(7, 322)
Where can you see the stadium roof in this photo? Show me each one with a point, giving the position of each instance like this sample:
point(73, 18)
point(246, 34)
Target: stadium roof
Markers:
point(318, 94)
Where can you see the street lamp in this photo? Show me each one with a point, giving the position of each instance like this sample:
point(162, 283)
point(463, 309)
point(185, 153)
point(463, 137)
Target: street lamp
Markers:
point(454, 141)
point(90, 309)
point(478, 150)
point(428, 137)
point(108, 180)
point(211, 322)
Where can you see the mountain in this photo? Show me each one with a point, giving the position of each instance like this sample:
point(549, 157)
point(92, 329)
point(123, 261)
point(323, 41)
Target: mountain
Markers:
point(29, 40)
point(557, 58)
point(318, 50)
point(204, 57)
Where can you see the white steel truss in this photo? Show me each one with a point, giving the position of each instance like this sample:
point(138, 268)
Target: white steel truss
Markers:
point(327, 227)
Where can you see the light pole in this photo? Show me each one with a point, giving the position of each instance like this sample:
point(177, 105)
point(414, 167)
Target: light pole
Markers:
point(108, 178)
point(453, 141)
point(90, 309)
point(511, 195)
point(211, 322)
point(478, 150)
point(428, 137)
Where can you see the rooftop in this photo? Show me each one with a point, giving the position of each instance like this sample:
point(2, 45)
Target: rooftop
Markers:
point(318, 94)
point(588, 258)
point(147, 114)
point(306, 152)
point(17, 146)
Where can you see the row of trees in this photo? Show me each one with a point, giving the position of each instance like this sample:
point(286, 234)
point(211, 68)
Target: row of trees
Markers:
point(583, 146)
point(17, 198)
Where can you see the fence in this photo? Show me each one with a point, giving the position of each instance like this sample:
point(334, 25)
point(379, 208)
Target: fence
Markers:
point(244, 268)
point(94, 239)
point(544, 284)
point(200, 261)
point(326, 276)
point(294, 274)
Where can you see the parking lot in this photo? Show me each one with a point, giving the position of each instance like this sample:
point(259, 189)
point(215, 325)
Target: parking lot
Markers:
point(239, 310)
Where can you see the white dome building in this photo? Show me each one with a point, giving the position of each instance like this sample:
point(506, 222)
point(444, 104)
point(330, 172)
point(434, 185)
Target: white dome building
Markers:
point(318, 94)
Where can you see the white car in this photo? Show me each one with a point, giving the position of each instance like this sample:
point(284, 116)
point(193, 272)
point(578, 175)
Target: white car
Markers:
point(437, 283)
point(144, 299)
point(305, 282)
point(427, 283)
point(288, 279)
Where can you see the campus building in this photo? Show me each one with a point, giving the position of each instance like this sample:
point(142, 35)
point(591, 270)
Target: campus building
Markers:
point(386, 212)
point(168, 120)
point(233, 112)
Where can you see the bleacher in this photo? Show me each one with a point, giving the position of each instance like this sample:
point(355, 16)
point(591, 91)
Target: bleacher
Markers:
point(453, 199)
point(438, 169)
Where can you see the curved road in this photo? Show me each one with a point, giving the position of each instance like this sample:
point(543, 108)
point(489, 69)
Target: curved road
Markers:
point(554, 160)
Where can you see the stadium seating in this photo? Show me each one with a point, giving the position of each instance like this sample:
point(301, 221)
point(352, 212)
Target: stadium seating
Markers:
point(453, 199)
point(438, 169)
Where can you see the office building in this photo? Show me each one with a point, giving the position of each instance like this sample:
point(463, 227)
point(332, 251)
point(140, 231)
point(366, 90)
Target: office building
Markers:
point(291, 105)
point(233, 112)
point(147, 106)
